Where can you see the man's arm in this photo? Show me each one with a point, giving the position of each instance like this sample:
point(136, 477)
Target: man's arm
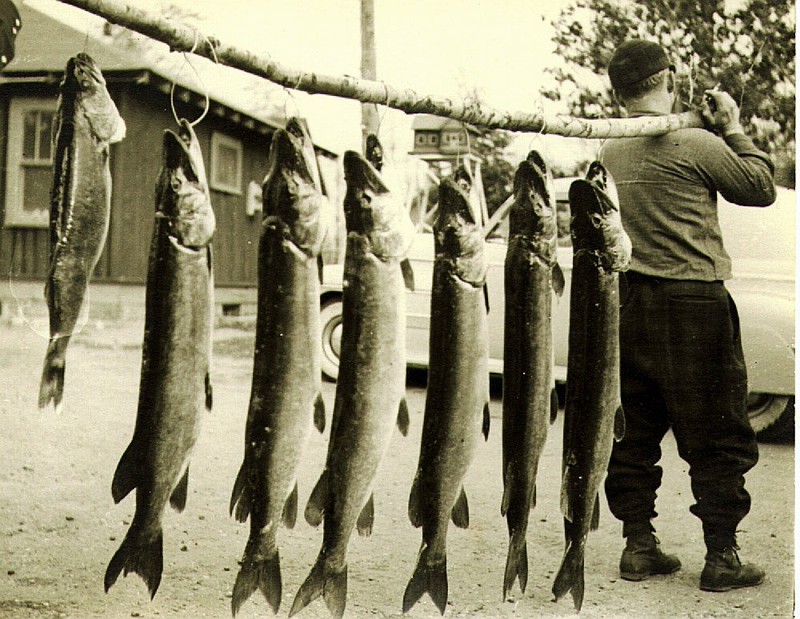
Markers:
point(742, 173)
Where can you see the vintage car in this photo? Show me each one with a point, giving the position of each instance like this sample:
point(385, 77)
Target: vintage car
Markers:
point(761, 242)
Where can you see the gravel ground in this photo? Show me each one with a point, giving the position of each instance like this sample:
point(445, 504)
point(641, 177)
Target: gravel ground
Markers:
point(59, 525)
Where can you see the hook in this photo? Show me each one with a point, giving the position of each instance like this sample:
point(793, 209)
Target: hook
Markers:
point(290, 95)
point(200, 79)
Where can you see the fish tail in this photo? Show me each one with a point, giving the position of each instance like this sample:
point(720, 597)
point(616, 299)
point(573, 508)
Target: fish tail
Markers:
point(257, 572)
point(429, 577)
point(332, 586)
point(143, 557)
point(516, 563)
point(51, 389)
point(570, 575)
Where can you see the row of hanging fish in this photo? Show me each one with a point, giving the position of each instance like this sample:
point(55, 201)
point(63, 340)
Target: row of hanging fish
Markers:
point(285, 400)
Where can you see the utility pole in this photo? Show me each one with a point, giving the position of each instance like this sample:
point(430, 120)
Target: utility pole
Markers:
point(369, 70)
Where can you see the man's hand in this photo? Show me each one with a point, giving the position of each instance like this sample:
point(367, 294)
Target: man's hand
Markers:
point(721, 113)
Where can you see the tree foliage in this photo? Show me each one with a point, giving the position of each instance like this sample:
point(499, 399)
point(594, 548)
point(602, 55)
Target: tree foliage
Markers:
point(748, 52)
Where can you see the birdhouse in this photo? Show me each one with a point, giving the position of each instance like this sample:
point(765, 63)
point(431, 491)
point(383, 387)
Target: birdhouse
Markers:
point(435, 135)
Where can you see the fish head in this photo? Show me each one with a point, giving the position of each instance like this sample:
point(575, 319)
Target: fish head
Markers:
point(596, 224)
point(373, 212)
point(292, 189)
point(533, 212)
point(374, 151)
point(458, 237)
point(183, 196)
point(83, 88)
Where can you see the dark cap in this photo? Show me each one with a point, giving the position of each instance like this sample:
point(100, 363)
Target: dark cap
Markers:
point(636, 60)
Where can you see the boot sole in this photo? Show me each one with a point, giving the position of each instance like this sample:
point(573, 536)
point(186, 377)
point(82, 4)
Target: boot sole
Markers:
point(725, 588)
point(640, 576)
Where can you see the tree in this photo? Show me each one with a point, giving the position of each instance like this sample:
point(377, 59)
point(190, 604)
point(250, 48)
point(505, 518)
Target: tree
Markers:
point(748, 52)
point(497, 173)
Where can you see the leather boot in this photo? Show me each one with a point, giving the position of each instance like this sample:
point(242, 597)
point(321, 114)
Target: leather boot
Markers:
point(724, 571)
point(642, 557)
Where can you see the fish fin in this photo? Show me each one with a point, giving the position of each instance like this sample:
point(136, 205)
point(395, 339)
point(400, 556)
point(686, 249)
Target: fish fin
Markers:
point(366, 517)
point(408, 274)
point(516, 564)
point(242, 496)
point(289, 515)
point(533, 497)
point(506, 500)
point(209, 393)
point(566, 505)
point(595, 524)
point(264, 575)
point(145, 559)
point(414, 507)
point(460, 512)
point(570, 576)
point(487, 416)
point(320, 582)
point(320, 269)
point(319, 413)
point(553, 405)
point(403, 419)
point(315, 508)
point(619, 424)
point(559, 281)
point(427, 578)
point(178, 497)
point(126, 477)
point(486, 296)
point(51, 388)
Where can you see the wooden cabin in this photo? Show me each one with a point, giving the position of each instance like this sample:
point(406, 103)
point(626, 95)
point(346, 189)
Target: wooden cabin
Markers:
point(235, 147)
point(437, 136)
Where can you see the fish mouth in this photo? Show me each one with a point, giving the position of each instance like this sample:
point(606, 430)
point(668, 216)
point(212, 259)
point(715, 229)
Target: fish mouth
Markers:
point(454, 203)
point(531, 184)
point(85, 71)
point(178, 150)
point(363, 204)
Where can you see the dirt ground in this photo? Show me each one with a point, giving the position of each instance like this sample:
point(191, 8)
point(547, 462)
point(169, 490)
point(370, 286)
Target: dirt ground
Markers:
point(59, 526)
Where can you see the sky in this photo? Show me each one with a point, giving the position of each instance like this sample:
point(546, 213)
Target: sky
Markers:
point(442, 48)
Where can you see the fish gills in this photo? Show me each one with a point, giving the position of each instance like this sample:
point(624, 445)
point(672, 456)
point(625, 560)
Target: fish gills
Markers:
point(87, 122)
point(593, 413)
point(285, 397)
point(370, 392)
point(529, 399)
point(175, 389)
point(456, 403)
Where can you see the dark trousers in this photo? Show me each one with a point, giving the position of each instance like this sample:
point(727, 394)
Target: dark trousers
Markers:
point(682, 367)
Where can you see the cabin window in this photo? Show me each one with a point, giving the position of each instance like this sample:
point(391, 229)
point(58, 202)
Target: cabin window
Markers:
point(226, 164)
point(29, 175)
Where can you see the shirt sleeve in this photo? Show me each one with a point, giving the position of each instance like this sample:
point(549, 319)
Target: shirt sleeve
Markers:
point(738, 170)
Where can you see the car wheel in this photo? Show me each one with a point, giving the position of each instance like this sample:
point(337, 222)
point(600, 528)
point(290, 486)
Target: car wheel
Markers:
point(772, 416)
point(331, 321)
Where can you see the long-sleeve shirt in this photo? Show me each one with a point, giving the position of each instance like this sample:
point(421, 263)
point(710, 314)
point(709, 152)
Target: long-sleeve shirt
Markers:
point(668, 187)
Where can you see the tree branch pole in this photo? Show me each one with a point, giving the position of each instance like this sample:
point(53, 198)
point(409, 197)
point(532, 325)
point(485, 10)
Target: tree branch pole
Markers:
point(181, 37)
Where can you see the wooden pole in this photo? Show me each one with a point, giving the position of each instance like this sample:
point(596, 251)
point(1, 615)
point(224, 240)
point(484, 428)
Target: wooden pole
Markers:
point(181, 37)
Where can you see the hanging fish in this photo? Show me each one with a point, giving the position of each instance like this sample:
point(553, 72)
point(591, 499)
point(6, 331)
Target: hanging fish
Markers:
point(370, 392)
point(529, 396)
point(593, 415)
point(457, 398)
point(87, 122)
point(285, 393)
point(174, 389)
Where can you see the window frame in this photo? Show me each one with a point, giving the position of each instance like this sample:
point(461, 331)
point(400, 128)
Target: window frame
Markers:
point(15, 215)
point(219, 139)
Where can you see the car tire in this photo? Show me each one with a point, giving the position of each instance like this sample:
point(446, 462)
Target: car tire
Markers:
point(772, 416)
point(331, 322)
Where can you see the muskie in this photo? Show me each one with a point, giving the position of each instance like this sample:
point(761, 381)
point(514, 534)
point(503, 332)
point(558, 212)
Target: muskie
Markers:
point(529, 396)
point(593, 412)
point(87, 121)
point(370, 393)
point(457, 398)
point(285, 394)
point(174, 389)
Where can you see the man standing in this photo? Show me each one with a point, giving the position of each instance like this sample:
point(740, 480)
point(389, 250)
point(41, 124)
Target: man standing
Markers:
point(682, 364)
